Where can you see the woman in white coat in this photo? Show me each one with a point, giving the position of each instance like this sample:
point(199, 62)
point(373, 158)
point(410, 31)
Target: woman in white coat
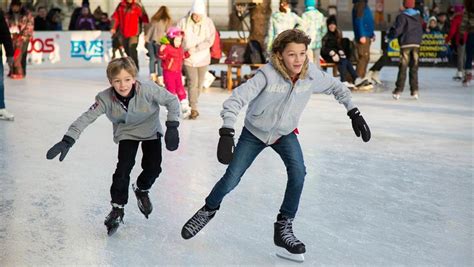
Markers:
point(199, 33)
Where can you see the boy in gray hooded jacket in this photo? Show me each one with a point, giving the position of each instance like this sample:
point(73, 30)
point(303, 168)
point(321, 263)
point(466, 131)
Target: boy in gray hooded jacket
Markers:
point(133, 107)
point(276, 96)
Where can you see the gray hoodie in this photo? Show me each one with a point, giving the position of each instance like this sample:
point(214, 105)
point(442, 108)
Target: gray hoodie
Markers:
point(275, 103)
point(140, 122)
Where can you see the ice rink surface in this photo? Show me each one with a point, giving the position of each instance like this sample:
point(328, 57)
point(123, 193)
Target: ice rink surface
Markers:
point(404, 198)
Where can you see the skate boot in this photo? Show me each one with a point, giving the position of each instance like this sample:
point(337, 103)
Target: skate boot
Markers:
point(160, 81)
point(154, 77)
point(458, 76)
point(363, 84)
point(467, 78)
point(374, 76)
point(289, 247)
point(5, 115)
point(415, 95)
point(143, 201)
point(197, 222)
point(194, 114)
point(113, 220)
point(185, 109)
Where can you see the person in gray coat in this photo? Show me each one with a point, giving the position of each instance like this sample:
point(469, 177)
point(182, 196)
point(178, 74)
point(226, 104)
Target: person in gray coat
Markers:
point(133, 107)
point(276, 97)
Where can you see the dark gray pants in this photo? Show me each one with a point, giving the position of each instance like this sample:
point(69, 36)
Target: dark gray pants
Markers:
point(408, 59)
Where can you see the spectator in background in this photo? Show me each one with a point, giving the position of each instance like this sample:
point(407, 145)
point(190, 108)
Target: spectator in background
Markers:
point(85, 22)
point(55, 19)
point(41, 21)
point(199, 35)
point(103, 24)
point(6, 42)
point(216, 49)
point(443, 23)
point(21, 25)
point(315, 28)
point(126, 20)
point(154, 31)
point(363, 23)
point(75, 14)
point(409, 31)
point(458, 40)
point(282, 20)
point(332, 51)
point(467, 27)
point(432, 26)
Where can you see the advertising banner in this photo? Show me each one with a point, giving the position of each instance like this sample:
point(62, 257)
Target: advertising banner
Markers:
point(54, 49)
point(432, 50)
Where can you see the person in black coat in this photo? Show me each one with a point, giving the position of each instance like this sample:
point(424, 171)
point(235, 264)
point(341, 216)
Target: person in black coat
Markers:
point(333, 51)
point(41, 21)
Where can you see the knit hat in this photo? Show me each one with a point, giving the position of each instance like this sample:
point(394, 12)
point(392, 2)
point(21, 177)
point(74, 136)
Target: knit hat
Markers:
point(458, 8)
point(331, 20)
point(15, 3)
point(409, 3)
point(199, 7)
point(309, 3)
point(173, 32)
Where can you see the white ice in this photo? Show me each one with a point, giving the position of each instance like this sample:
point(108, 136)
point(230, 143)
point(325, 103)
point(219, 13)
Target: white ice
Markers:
point(404, 198)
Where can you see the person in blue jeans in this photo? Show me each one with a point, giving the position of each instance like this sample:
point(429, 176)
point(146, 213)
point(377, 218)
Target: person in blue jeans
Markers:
point(276, 96)
point(6, 41)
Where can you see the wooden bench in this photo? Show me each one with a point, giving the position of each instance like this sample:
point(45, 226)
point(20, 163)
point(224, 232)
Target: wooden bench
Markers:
point(238, 73)
point(237, 68)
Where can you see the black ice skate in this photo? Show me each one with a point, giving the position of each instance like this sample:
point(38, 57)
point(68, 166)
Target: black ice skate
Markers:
point(143, 201)
point(113, 220)
point(289, 247)
point(197, 222)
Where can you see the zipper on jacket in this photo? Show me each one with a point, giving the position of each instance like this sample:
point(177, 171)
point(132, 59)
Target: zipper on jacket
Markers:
point(281, 116)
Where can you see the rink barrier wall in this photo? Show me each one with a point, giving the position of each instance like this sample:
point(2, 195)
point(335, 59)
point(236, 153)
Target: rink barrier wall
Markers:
point(79, 49)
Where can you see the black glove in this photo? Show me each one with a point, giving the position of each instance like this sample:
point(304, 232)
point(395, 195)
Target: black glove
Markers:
point(225, 148)
point(172, 135)
point(61, 147)
point(359, 125)
point(461, 40)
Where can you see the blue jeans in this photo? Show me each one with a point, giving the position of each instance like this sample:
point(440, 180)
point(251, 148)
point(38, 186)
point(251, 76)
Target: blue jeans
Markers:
point(2, 85)
point(469, 51)
point(155, 61)
point(246, 151)
point(345, 65)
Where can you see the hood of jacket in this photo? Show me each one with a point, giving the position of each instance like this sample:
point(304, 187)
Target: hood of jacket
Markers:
point(283, 71)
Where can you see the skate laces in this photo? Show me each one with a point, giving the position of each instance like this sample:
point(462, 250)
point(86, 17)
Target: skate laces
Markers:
point(286, 227)
point(199, 220)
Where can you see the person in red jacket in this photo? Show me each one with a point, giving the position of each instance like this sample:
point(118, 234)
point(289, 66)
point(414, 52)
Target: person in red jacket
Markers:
point(172, 56)
point(458, 39)
point(128, 17)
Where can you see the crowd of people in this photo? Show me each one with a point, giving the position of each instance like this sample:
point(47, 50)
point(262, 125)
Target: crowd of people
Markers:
point(283, 86)
point(200, 42)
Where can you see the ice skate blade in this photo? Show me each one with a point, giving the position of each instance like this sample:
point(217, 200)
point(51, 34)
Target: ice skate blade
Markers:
point(284, 254)
point(7, 119)
point(112, 230)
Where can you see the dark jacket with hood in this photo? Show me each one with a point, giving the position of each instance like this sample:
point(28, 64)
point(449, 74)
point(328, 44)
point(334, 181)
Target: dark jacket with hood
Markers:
point(408, 28)
point(332, 41)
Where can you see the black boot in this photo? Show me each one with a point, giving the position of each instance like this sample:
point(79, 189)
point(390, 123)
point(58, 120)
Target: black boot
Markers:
point(197, 222)
point(113, 220)
point(293, 249)
point(143, 201)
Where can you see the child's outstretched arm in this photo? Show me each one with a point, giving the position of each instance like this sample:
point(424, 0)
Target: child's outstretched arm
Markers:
point(232, 106)
point(75, 130)
point(164, 98)
point(329, 85)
